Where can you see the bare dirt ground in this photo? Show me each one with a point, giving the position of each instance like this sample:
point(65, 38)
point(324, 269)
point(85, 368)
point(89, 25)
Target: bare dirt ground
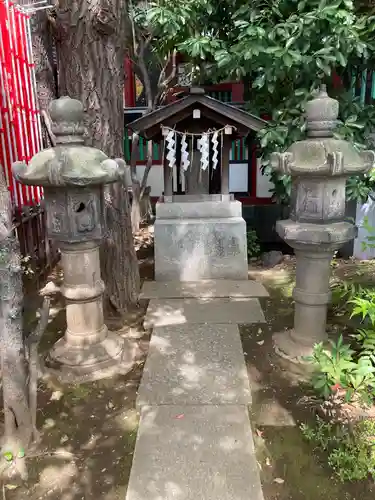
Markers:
point(88, 431)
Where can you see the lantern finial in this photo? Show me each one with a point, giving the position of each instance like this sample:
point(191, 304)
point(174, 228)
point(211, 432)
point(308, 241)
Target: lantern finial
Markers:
point(67, 117)
point(321, 114)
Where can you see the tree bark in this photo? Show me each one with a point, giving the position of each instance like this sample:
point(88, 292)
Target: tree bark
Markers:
point(139, 211)
point(91, 53)
point(44, 53)
point(18, 421)
point(43, 45)
point(140, 207)
point(136, 189)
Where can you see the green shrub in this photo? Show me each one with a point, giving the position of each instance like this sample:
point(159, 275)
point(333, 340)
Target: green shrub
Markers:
point(347, 373)
point(343, 292)
point(364, 307)
point(351, 454)
point(253, 247)
point(337, 368)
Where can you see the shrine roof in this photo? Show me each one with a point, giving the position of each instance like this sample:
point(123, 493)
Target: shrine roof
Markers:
point(214, 114)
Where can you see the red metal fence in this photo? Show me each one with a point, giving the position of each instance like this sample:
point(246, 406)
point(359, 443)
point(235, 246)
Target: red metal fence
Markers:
point(20, 132)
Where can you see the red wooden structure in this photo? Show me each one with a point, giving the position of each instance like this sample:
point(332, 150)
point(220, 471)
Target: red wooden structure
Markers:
point(20, 126)
point(21, 135)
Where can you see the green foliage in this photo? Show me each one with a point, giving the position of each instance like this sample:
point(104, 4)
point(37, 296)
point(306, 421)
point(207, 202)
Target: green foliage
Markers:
point(350, 454)
point(253, 247)
point(348, 368)
point(344, 292)
point(196, 28)
point(364, 306)
point(365, 337)
point(337, 369)
point(283, 50)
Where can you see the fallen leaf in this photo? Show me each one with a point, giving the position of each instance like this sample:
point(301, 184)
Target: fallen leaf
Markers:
point(279, 480)
point(8, 455)
point(268, 462)
point(179, 417)
point(49, 423)
point(259, 433)
point(261, 342)
point(260, 331)
point(56, 396)
point(11, 486)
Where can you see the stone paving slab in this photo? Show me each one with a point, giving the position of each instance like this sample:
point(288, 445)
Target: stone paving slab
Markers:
point(194, 453)
point(195, 364)
point(204, 288)
point(164, 312)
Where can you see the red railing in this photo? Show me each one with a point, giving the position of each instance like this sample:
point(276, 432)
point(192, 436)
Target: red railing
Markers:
point(20, 128)
point(21, 137)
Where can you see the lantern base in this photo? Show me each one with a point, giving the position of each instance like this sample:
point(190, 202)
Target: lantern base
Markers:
point(113, 355)
point(287, 346)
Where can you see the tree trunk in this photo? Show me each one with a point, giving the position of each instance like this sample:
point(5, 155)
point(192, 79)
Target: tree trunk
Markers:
point(44, 53)
point(141, 206)
point(18, 421)
point(91, 52)
point(136, 207)
point(138, 213)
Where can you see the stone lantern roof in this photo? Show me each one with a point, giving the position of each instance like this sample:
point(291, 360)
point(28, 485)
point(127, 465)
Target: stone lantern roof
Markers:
point(321, 154)
point(70, 162)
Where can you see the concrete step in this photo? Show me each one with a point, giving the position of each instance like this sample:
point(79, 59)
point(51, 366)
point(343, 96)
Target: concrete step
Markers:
point(202, 289)
point(164, 312)
point(194, 453)
point(195, 364)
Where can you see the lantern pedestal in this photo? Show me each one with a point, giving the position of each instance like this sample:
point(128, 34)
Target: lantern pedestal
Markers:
point(314, 247)
point(87, 349)
point(88, 362)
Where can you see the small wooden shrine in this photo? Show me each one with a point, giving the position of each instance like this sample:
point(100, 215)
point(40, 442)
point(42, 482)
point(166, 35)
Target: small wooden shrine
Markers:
point(201, 234)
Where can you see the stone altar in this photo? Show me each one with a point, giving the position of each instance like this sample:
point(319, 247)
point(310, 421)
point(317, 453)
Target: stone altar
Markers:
point(73, 176)
point(317, 228)
point(200, 237)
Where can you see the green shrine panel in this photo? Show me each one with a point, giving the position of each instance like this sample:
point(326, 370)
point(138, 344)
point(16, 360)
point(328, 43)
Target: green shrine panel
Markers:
point(238, 153)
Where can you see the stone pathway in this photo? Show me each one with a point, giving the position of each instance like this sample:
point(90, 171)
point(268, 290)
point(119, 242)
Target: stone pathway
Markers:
point(194, 440)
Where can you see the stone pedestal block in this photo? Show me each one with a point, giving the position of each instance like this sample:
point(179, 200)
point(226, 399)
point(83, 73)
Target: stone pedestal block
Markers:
point(87, 347)
point(200, 240)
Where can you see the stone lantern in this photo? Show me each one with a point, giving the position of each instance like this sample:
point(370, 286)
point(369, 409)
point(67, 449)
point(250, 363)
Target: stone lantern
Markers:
point(319, 167)
point(73, 176)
